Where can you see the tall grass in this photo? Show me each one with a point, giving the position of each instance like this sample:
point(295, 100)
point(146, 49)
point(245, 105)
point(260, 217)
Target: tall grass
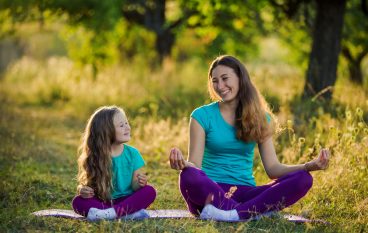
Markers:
point(45, 105)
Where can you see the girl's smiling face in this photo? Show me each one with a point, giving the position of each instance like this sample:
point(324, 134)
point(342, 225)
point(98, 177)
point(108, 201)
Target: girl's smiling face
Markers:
point(122, 128)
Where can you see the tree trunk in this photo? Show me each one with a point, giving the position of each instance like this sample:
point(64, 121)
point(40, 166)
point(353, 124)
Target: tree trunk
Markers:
point(356, 75)
point(321, 73)
point(354, 64)
point(164, 44)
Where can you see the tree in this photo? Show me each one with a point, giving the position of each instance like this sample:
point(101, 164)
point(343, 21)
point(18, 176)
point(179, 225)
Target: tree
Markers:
point(230, 21)
point(355, 39)
point(326, 42)
point(323, 59)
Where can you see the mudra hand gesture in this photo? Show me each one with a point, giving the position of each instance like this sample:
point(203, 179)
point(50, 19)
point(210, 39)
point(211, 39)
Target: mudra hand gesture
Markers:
point(319, 163)
point(177, 160)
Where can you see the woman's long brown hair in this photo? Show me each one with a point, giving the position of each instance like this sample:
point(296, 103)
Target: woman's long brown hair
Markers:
point(94, 162)
point(251, 122)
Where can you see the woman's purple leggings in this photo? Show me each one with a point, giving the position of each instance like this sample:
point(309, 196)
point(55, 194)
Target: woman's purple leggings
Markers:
point(196, 187)
point(140, 199)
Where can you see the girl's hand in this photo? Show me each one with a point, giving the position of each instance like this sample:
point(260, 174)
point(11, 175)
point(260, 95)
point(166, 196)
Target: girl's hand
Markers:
point(320, 163)
point(177, 161)
point(86, 192)
point(142, 180)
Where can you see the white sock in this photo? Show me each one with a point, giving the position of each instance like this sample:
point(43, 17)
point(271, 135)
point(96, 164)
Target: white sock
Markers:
point(213, 213)
point(140, 214)
point(95, 214)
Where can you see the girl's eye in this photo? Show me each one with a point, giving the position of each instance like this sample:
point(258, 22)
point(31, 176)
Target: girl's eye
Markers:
point(214, 80)
point(224, 78)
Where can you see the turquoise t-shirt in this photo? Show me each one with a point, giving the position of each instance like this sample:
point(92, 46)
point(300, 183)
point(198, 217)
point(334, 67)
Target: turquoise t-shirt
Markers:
point(226, 159)
point(123, 167)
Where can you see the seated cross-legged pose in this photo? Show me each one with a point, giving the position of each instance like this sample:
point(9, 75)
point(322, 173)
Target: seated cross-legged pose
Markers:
point(111, 182)
point(217, 180)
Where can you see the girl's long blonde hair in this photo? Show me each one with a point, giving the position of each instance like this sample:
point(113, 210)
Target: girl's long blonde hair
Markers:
point(251, 121)
point(94, 162)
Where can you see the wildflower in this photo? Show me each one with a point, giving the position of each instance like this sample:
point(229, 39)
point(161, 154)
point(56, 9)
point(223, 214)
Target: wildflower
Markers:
point(361, 125)
point(356, 131)
point(359, 112)
point(301, 140)
point(348, 115)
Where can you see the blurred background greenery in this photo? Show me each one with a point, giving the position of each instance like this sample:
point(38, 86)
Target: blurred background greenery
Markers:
point(60, 60)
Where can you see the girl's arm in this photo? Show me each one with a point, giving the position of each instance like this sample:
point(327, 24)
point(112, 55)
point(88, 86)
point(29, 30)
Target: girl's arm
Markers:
point(197, 139)
point(139, 179)
point(275, 169)
point(85, 191)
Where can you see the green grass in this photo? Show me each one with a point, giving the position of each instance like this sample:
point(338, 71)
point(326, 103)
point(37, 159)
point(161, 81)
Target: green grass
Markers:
point(40, 131)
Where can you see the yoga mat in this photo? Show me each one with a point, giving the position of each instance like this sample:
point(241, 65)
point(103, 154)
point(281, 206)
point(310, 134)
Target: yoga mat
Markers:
point(171, 214)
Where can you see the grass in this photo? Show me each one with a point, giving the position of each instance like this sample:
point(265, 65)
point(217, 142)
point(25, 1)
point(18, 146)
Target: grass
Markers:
point(44, 107)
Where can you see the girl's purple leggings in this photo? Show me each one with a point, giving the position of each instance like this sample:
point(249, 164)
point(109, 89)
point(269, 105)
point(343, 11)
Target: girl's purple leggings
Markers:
point(196, 188)
point(140, 199)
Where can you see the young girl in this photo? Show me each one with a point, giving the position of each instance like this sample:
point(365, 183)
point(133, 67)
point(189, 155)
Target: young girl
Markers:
point(111, 181)
point(217, 182)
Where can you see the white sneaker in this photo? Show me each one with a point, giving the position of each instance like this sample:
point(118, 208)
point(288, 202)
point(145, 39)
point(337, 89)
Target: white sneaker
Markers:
point(95, 214)
point(139, 215)
point(210, 212)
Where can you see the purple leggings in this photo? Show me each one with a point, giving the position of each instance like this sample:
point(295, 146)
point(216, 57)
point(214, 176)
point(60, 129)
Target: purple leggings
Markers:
point(140, 199)
point(195, 187)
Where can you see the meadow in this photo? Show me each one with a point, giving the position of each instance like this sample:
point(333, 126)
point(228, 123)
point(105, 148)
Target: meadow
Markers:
point(45, 105)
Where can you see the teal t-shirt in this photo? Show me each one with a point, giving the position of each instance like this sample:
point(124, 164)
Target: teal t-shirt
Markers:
point(226, 159)
point(123, 167)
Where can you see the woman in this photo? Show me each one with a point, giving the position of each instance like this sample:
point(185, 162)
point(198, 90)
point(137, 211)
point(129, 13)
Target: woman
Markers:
point(216, 181)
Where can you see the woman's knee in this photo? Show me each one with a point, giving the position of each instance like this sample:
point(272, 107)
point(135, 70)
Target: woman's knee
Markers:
point(305, 180)
point(190, 175)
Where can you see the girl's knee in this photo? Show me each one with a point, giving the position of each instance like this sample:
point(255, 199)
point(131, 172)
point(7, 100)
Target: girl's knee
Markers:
point(76, 200)
point(77, 204)
point(150, 191)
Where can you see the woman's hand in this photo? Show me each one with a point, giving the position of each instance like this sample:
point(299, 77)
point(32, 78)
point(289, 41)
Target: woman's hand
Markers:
point(177, 161)
point(320, 163)
point(142, 180)
point(86, 191)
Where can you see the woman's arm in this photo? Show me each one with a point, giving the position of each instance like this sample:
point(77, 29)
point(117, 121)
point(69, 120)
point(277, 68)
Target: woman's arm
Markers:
point(139, 179)
point(196, 148)
point(275, 169)
point(197, 138)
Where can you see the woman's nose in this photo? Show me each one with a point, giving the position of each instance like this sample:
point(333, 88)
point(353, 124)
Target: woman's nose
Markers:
point(220, 84)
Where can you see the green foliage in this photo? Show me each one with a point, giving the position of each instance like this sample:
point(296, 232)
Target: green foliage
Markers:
point(355, 32)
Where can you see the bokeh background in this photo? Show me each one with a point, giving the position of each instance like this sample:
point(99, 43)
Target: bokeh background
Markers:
point(60, 60)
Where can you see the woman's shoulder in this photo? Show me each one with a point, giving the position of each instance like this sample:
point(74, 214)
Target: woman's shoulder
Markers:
point(206, 108)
